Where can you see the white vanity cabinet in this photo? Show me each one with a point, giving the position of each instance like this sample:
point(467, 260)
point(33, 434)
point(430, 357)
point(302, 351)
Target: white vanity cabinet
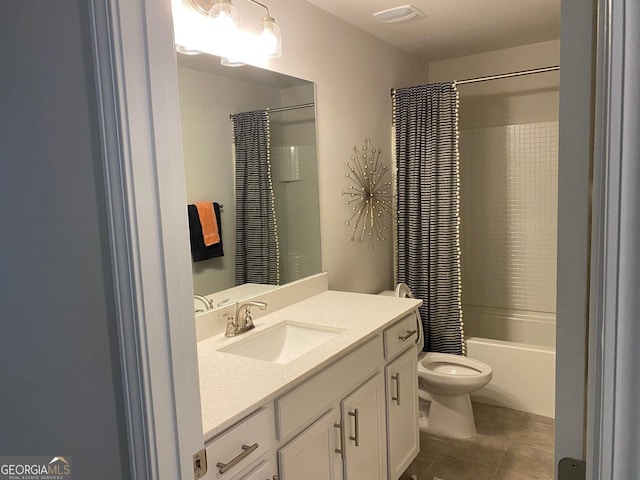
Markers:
point(348, 416)
point(401, 400)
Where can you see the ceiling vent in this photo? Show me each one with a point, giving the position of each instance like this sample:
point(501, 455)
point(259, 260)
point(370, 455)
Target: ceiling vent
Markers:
point(398, 14)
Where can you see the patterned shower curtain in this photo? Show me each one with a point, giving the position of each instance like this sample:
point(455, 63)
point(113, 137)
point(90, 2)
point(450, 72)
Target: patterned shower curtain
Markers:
point(428, 222)
point(257, 254)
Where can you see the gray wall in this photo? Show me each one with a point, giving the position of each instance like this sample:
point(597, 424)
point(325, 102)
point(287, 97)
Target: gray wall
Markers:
point(60, 382)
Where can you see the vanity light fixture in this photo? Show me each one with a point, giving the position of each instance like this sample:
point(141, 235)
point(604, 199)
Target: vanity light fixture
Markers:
point(398, 14)
point(232, 43)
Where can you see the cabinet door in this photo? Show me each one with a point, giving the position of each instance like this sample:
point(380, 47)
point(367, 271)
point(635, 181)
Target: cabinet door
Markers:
point(402, 412)
point(363, 414)
point(312, 455)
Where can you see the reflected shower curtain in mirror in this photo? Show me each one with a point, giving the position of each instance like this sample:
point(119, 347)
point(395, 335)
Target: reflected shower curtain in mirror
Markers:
point(427, 196)
point(257, 256)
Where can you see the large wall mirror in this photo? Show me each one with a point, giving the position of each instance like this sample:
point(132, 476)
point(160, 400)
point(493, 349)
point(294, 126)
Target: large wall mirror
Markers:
point(209, 94)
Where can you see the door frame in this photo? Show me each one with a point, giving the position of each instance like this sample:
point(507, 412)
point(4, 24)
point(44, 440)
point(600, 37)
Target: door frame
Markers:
point(139, 120)
point(613, 396)
point(598, 273)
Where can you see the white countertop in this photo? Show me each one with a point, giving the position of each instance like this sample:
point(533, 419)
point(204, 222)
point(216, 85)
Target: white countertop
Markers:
point(232, 386)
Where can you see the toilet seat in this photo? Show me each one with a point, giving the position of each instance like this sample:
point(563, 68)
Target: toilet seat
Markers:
point(448, 374)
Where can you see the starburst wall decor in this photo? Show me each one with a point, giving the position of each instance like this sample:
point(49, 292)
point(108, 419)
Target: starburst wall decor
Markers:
point(369, 194)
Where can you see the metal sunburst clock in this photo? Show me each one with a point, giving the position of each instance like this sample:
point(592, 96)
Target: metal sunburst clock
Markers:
point(369, 194)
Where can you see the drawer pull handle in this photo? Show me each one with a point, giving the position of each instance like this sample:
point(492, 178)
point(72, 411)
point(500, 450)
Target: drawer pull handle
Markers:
point(246, 451)
point(340, 426)
point(396, 377)
point(357, 427)
point(409, 334)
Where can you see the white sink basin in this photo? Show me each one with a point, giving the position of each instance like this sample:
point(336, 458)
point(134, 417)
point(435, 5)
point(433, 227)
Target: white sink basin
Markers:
point(283, 342)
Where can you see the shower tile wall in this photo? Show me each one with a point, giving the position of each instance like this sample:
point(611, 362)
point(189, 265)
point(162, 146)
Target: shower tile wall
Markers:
point(508, 214)
point(293, 171)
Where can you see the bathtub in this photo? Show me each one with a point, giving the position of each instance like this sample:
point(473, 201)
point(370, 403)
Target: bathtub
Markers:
point(520, 348)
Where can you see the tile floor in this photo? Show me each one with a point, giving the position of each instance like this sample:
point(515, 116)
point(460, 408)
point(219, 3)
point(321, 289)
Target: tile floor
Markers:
point(509, 445)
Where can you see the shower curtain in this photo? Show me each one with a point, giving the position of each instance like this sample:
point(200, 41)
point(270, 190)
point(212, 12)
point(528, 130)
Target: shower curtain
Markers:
point(257, 255)
point(427, 199)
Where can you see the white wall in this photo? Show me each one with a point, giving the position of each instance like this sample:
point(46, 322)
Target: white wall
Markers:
point(526, 99)
point(60, 377)
point(354, 73)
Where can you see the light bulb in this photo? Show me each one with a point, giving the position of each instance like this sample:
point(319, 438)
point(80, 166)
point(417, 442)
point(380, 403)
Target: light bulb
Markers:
point(269, 37)
point(225, 16)
point(223, 8)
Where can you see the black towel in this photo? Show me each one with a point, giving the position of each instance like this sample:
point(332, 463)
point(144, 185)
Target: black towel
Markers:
point(199, 251)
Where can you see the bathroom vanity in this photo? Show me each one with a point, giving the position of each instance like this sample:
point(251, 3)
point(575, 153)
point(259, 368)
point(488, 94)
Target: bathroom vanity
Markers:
point(340, 407)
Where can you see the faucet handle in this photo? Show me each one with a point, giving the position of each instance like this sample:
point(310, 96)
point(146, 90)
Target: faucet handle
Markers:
point(247, 319)
point(231, 325)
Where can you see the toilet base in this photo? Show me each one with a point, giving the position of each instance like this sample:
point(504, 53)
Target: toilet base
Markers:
point(450, 416)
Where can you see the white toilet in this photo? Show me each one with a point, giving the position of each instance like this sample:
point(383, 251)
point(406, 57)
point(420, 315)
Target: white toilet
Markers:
point(444, 384)
point(446, 381)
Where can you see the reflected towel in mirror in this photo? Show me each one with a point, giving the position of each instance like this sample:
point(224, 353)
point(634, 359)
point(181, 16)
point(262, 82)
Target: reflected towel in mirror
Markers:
point(208, 222)
point(199, 251)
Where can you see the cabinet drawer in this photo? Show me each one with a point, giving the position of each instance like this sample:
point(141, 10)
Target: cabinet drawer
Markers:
point(404, 333)
point(241, 445)
point(266, 470)
point(300, 406)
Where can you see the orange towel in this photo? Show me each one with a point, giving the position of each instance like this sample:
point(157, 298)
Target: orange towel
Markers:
point(208, 221)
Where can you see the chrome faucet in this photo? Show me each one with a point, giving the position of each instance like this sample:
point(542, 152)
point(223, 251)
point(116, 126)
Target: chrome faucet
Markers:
point(243, 320)
point(207, 303)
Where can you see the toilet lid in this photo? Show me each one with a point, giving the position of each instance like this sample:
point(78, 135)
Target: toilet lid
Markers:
point(403, 291)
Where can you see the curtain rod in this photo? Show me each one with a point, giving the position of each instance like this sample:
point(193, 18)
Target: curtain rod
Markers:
point(291, 107)
point(552, 68)
point(284, 109)
point(509, 75)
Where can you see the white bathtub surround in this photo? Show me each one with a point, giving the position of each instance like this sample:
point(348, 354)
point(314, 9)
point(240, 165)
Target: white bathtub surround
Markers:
point(508, 209)
point(509, 178)
point(509, 325)
point(523, 375)
point(520, 346)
